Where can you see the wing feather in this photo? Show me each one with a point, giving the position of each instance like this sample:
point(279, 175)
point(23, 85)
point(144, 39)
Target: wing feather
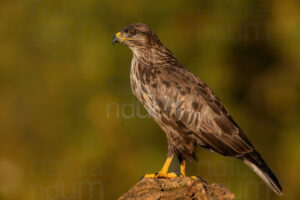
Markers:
point(188, 101)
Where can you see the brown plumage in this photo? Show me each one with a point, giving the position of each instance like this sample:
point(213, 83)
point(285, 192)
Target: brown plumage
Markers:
point(185, 108)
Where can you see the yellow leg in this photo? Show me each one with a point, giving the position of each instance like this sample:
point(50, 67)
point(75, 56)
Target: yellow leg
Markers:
point(182, 168)
point(163, 173)
point(166, 166)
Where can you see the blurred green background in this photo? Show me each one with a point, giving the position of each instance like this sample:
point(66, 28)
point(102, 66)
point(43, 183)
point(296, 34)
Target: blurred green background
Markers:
point(70, 127)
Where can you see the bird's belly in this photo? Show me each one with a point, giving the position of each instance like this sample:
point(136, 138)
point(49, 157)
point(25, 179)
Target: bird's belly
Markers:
point(180, 142)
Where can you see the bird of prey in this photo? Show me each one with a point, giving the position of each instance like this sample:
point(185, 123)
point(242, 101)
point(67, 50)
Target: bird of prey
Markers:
point(186, 109)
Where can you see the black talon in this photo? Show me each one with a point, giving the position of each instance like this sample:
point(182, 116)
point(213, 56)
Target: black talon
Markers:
point(201, 179)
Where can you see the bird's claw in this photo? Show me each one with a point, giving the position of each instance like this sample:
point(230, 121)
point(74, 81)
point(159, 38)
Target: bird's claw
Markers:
point(163, 175)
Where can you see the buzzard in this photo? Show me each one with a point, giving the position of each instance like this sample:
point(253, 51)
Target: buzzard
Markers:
point(184, 106)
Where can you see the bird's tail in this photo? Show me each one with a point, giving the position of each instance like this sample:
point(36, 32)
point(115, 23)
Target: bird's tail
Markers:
point(258, 165)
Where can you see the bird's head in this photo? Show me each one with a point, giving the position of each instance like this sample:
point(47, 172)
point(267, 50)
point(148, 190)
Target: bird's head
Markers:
point(136, 35)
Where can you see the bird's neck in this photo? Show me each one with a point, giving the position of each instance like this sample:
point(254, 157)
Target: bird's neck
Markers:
point(156, 55)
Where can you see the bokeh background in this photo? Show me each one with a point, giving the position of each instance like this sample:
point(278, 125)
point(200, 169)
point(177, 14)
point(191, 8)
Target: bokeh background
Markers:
point(70, 127)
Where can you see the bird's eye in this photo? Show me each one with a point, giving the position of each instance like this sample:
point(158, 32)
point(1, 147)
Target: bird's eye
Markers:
point(132, 32)
point(126, 30)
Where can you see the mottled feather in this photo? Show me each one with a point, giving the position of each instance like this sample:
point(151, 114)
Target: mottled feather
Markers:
point(184, 106)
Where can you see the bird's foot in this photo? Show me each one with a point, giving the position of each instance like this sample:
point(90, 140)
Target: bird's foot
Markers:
point(163, 175)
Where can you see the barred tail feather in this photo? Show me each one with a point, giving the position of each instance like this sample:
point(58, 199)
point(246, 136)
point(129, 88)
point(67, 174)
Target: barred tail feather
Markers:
point(258, 165)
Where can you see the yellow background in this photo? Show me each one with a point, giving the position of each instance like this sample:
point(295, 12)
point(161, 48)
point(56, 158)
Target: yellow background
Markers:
point(70, 127)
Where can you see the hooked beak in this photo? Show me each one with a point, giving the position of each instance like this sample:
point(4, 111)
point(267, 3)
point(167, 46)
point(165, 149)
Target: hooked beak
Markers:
point(116, 38)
